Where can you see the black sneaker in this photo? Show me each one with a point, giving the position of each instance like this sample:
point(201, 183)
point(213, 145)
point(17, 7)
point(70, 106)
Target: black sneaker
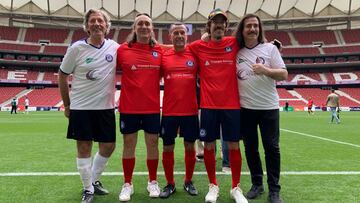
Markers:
point(167, 191)
point(190, 188)
point(98, 189)
point(87, 197)
point(274, 197)
point(255, 191)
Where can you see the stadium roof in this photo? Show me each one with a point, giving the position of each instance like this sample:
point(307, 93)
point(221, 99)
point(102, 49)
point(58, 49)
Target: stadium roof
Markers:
point(279, 12)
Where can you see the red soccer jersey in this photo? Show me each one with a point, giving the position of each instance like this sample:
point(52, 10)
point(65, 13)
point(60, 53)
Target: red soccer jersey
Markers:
point(179, 70)
point(140, 88)
point(218, 81)
point(310, 103)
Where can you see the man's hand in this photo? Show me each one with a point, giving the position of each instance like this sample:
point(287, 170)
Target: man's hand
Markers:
point(260, 69)
point(205, 37)
point(67, 111)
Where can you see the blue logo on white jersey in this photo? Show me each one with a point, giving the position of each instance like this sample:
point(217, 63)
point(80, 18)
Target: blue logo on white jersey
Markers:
point(190, 63)
point(108, 58)
point(228, 49)
point(155, 54)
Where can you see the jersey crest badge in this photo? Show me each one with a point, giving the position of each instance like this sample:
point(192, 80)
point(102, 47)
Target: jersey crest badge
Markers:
point(190, 63)
point(108, 58)
point(260, 60)
point(155, 54)
point(133, 67)
point(228, 49)
point(207, 63)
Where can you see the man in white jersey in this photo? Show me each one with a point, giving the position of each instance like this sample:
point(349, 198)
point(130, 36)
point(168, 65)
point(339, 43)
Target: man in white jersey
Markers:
point(90, 104)
point(26, 105)
point(259, 66)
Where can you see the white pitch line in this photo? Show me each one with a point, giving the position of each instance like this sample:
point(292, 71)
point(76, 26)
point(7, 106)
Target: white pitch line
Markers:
point(321, 138)
point(176, 173)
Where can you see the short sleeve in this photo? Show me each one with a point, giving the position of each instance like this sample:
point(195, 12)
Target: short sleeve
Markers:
point(69, 62)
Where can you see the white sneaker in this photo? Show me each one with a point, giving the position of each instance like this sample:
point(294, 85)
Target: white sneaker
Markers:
point(237, 195)
point(126, 191)
point(153, 189)
point(226, 169)
point(213, 193)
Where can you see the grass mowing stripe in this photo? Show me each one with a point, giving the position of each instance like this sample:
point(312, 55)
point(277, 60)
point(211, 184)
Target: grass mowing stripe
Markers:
point(179, 173)
point(321, 138)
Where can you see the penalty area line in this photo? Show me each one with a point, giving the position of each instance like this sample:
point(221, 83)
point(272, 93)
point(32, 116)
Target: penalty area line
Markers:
point(176, 173)
point(321, 138)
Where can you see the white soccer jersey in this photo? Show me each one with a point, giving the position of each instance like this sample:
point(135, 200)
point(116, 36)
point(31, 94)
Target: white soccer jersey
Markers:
point(93, 69)
point(27, 102)
point(258, 91)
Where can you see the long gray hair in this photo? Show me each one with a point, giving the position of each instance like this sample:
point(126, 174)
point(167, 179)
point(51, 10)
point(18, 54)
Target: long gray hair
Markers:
point(105, 16)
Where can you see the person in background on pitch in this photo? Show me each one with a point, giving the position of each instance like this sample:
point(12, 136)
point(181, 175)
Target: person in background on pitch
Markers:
point(333, 102)
point(259, 66)
point(26, 105)
point(139, 58)
point(90, 104)
point(14, 103)
point(310, 106)
point(286, 106)
point(180, 108)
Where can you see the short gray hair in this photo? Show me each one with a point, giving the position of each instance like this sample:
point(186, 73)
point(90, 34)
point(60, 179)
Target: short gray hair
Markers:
point(105, 16)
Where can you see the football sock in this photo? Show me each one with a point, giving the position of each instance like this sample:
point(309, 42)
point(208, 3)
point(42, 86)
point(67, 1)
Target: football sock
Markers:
point(128, 168)
point(210, 165)
point(190, 160)
point(152, 165)
point(168, 164)
point(235, 165)
point(84, 167)
point(98, 166)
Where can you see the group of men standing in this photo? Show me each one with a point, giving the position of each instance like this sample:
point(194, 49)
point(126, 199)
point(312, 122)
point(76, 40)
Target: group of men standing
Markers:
point(237, 94)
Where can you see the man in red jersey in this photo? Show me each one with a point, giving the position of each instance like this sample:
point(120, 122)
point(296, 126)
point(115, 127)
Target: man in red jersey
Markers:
point(219, 101)
point(310, 105)
point(139, 59)
point(180, 108)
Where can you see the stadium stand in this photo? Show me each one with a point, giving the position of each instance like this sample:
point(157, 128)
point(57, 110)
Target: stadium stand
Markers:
point(319, 96)
point(351, 36)
point(123, 33)
point(43, 97)
point(9, 33)
point(7, 93)
point(19, 47)
point(341, 49)
point(287, 51)
point(310, 37)
point(283, 36)
point(55, 49)
point(51, 35)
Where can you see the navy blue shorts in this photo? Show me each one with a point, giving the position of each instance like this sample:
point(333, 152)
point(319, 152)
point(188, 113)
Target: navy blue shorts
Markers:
point(92, 125)
point(212, 119)
point(131, 123)
point(188, 125)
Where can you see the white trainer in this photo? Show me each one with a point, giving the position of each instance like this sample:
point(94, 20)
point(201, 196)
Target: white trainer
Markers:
point(153, 189)
point(213, 193)
point(226, 169)
point(237, 195)
point(126, 191)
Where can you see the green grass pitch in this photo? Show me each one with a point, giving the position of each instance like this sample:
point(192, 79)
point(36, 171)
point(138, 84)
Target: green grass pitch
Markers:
point(320, 162)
